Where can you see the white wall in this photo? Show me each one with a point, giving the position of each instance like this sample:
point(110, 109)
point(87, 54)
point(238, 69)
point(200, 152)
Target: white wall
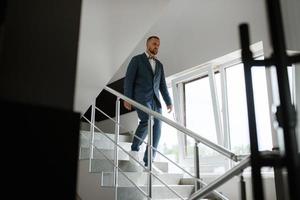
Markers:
point(194, 32)
point(291, 15)
point(110, 30)
point(129, 120)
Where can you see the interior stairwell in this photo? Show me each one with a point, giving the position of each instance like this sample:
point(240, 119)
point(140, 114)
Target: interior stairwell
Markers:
point(102, 168)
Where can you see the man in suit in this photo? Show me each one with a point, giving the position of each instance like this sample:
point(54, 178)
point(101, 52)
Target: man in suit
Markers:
point(143, 81)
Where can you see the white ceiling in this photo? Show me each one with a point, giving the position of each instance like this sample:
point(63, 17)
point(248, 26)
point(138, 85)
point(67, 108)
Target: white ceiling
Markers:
point(196, 31)
point(192, 32)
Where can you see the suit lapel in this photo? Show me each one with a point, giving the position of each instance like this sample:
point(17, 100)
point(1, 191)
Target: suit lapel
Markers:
point(146, 61)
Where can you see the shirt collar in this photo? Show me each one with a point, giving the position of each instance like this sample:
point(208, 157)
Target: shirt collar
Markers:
point(148, 56)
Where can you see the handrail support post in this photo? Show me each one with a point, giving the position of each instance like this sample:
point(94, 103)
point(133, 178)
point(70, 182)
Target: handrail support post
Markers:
point(243, 187)
point(92, 133)
point(150, 155)
point(116, 154)
point(197, 165)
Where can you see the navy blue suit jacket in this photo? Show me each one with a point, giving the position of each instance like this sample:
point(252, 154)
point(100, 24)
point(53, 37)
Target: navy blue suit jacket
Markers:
point(142, 85)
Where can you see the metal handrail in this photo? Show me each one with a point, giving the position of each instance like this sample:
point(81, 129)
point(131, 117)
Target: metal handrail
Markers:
point(102, 132)
point(215, 192)
point(122, 126)
point(177, 126)
point(246, 162)
point(133, 183)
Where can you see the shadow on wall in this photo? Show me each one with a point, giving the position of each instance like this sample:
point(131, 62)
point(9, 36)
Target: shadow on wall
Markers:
point(107, 102)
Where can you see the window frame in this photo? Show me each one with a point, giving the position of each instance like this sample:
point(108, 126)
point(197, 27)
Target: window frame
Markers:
point(179, 103)
point(209, 69)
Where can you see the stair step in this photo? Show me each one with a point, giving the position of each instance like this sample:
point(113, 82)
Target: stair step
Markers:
point(180, 199)
point(187, 181)
point(140, 178)
point(85, 154)
point(86, 127)
point(191, 181)
point(100, 165)
point(163, 166)
point(100, 139)
point(159, 192)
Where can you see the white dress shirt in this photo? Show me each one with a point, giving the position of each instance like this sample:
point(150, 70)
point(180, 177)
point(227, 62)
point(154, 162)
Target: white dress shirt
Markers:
point(152, 62)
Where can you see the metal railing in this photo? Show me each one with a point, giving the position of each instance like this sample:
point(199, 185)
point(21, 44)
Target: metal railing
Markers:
point(236, 170)
point(118, 168)
point(152, 114)
point(117, 122)
point(177, 126)
point(113, 164)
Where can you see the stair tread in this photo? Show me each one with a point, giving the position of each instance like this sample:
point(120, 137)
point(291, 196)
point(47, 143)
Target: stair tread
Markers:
point(120, 143)
point(140, 178)
point(98, 132)
point(142, 173)
point(155, 162)
point(159, 186)
point(128, 162)
point(158, 191)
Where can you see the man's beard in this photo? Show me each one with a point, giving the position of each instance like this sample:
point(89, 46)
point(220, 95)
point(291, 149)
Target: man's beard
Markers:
point(153, 51)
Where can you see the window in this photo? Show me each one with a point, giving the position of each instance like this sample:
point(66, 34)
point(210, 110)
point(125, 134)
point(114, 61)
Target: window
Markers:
point(276, 101)
point(168, 143)
point(237, 109)
point(211, 101)
point(202, 107)
point(199, 108)
point(262, 108)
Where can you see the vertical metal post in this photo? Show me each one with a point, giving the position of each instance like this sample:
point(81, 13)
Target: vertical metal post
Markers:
point(216, 106)
point(116, 156)
point(92, 133)
point(278, 176)
point(150, 155)
point(79, 153)
point(243, 188)
point(227, 141)
point(286, 113)
point(197, 165)
point(279, 183)
point(247, 57)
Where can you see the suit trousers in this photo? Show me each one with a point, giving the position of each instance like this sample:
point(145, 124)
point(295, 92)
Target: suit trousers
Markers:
point(142, 129)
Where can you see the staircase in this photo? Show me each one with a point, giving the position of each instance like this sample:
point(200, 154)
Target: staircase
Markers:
point(103, 168)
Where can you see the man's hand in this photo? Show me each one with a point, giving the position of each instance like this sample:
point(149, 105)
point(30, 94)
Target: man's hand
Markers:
point(127, 105)
point(170, 108)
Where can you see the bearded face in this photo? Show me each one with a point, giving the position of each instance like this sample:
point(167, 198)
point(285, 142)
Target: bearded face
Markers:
point(153, 46)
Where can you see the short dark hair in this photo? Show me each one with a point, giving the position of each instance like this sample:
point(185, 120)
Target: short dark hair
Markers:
point(153, 36)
